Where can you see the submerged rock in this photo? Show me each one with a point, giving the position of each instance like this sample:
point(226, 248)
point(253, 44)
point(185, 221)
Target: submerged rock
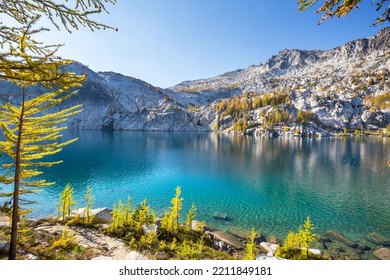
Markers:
point(378, 239)
point(222, 217)
point(341, 238)
point(382, 253)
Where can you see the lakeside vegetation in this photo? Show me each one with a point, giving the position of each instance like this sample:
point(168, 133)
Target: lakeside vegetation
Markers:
point(140, 230)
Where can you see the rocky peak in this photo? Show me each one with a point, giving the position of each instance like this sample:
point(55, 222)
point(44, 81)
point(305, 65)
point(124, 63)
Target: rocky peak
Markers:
point(288, 59)
point(337, 85)
point(381, 41)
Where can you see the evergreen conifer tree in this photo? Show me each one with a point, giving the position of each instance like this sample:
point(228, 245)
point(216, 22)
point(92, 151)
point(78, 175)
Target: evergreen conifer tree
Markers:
point(31, 133)
point(190, 216)
point(64, 207)
point(89, 201)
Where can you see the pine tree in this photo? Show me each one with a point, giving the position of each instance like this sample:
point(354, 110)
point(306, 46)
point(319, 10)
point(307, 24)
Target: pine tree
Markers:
point(170, 220)
point(296, 245)
point(117, 217)
point(30, 132)
point(300, 116)
point(127, 212)
point(176, 207)
point(142, 215)
point(250, 248)
point(331, 8)
point(190, 216)
point(64, 207)
point(89, 201)
point(70, 15)
point(306, 236)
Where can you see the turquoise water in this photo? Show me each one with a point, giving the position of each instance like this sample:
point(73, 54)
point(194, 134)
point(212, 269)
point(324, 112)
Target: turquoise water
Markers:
point(268, 184)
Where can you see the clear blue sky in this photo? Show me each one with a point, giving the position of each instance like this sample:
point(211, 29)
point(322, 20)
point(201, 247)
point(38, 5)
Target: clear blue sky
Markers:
point(165, 42)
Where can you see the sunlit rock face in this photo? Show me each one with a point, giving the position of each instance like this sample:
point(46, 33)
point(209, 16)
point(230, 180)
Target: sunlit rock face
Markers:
point(337, 85)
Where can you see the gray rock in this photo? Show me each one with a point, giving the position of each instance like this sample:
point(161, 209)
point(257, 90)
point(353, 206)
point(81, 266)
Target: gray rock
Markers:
point(222, 217)
point(195, 226)
point(135, 256)
point(31, 257)
point(161, 256)
point(226, 241)
point(376, 118)
point(268, 248)
point(102, 258)
point(4, 247)
point(341, 238)
point(382, 253)
point(268, 258)
point(5, 224)
point(316, 252)
point(100, 215)
point(149, 229)
point(378, 239)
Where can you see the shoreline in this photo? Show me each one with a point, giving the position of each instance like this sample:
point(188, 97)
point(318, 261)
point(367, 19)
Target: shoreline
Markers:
point(332, 244)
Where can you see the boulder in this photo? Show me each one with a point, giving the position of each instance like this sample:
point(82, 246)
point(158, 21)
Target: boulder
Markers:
point(135, 256)
point(149, 229)
point(364, 248)
point(272, 239)
point(316, 252)
point(195, 226)
point(267, 258)
point(100, 215)
point(30, 256)
point(4, 247)
point(161, 256)
point(382, 253)
point(5, 221)
point(268, 248)
point(226, 241)
point(341, 238)
point(378, 239)
point(222, 217)
point(376, 118)
point(102, 258)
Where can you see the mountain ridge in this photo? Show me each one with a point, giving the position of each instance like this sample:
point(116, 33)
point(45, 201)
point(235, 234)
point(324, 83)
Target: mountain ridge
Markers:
point(339, 87)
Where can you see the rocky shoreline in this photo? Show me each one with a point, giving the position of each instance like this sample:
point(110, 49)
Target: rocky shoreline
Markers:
point(330, 246)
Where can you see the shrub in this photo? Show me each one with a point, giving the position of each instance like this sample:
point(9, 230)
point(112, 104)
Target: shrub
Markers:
point(66, 202)
point(250, 248)
point(142, 215)
point(190, 216)
point(170, 221)
point(89, 200)
point(296, 245)
point(66, 242)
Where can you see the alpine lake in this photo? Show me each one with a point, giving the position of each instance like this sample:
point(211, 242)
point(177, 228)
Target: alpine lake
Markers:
point(237, 182)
